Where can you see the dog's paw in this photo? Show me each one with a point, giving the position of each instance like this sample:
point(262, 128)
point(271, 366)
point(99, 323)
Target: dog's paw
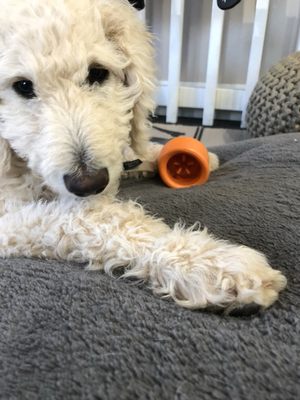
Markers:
point(152, 152)
point(214, 162)
point(146, 169)
point(148, 166)
point(251, 277)
point(198, 271)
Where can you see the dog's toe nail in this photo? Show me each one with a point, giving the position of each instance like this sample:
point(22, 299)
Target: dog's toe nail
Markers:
point(245, 310)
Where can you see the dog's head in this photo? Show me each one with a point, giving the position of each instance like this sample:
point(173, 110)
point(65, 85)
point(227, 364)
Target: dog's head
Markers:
point(76, 83)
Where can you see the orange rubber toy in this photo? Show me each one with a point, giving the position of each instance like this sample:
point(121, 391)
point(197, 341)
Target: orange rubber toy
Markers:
point(183, 162)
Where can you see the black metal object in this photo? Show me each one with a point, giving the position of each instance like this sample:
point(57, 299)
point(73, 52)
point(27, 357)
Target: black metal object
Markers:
point(138, 4)
point(127, 165)
point(227, 4)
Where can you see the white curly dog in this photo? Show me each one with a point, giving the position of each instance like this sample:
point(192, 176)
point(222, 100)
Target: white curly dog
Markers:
point(76, 88)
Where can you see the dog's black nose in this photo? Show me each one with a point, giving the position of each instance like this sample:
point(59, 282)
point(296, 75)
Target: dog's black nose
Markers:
point(84, 183)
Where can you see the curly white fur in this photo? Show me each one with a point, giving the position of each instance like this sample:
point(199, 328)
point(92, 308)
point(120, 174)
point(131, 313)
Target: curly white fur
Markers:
point(53, 44)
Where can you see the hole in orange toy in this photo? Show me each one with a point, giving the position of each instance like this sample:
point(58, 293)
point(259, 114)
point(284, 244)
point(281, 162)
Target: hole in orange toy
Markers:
point(184, 167)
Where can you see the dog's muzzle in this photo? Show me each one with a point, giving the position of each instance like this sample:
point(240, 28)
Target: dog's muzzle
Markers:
point(84, 183)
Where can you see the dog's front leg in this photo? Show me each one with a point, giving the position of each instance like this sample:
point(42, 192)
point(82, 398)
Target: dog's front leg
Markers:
point(191, 267)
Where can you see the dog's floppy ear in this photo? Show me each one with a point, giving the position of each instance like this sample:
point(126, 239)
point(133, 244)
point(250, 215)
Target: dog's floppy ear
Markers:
point(138, 4)
point(129, 35)
point(5, 157)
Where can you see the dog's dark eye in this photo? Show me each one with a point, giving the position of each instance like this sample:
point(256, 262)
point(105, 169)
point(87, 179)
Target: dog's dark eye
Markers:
point(24, 88)
point(97, 74)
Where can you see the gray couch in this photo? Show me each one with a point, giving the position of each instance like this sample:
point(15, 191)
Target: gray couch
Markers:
point(66, 333)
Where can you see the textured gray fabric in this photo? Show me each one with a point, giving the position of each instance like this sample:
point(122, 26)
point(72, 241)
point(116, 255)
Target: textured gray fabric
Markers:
point(274, 106)
point(66, 333)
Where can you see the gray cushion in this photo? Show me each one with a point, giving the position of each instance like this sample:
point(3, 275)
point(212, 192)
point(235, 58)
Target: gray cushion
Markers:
point(66, 333)
point(274, 105)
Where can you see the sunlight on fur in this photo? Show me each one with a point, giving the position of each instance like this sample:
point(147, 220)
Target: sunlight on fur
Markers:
point(76, 90)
